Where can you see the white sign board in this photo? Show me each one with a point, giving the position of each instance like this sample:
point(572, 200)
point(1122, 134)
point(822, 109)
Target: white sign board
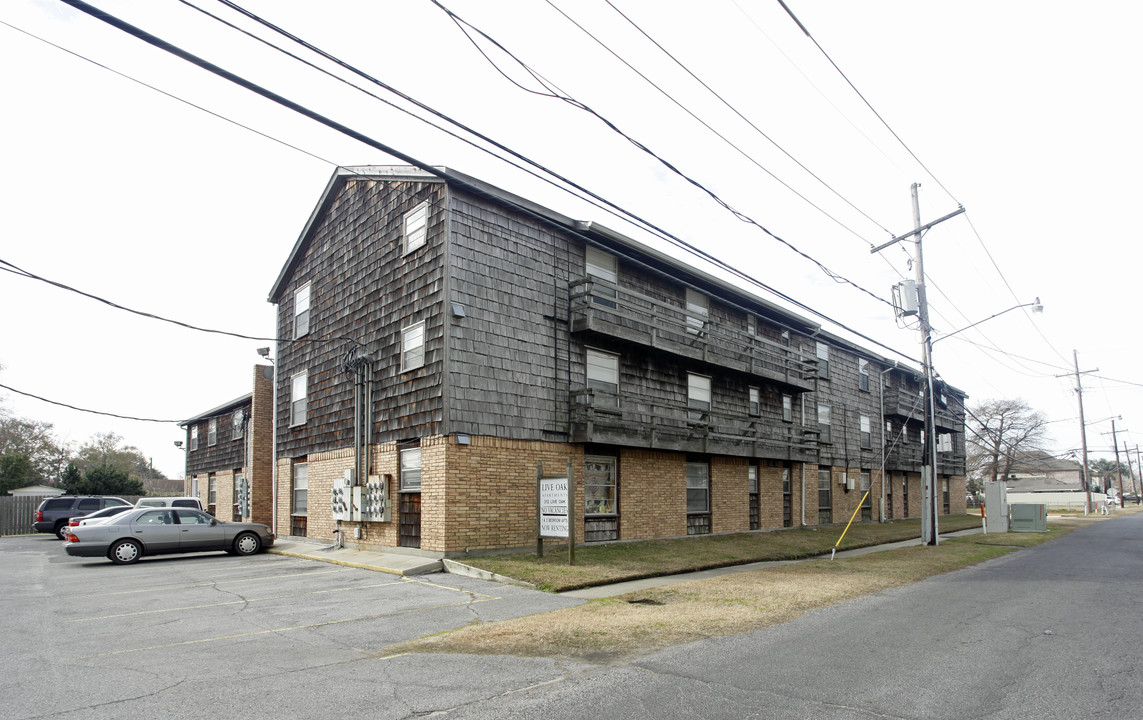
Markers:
point(554, 507)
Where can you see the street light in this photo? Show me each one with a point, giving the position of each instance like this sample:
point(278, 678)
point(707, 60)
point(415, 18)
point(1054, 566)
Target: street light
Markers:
point(1037, 308)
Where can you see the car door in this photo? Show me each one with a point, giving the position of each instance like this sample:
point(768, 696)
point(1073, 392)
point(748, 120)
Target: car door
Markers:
point(198, 531)
point(157, 531)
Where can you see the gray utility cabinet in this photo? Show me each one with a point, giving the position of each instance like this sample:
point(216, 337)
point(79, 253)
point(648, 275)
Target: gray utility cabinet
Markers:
point(1028, 518)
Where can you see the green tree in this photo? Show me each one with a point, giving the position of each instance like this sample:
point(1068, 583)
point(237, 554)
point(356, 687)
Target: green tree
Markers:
point(108, 449)
point(103, 480)
point(37, 441)
point(16, 471)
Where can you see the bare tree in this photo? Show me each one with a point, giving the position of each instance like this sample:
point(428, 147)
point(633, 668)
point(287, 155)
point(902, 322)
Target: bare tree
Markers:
point(1002, 430)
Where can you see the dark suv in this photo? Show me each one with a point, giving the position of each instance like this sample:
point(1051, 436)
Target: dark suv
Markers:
point(52, 514)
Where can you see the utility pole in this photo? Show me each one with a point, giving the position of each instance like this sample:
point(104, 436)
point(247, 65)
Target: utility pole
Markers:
point(929, 530)
point(1118, 467)
point(1083, 433)
point(1138, 464)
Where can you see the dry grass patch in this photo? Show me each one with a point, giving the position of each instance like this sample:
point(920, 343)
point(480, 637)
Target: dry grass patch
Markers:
point(617, 628)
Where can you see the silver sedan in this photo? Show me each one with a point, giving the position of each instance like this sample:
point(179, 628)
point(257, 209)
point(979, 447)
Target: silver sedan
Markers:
point(128, 536)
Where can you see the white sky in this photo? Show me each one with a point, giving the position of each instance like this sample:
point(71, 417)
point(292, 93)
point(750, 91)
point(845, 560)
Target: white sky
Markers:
point(1027, 112)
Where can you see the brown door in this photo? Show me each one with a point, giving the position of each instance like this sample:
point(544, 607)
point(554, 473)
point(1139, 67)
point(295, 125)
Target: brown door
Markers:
point(409, 524)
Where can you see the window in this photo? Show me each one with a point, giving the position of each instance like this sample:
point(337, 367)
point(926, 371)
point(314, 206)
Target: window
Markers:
point(602, 371)
point(301, 488)
point(698, 487)
point(863, 374)
point(194, 437)
point(945, 495)
point(212, 491)
point(751, 325)
point(823, 360)
point(866, 434)
point(237, 420)
point(416, 227)
point(752, 499)
point(788, 408)
point(194, 486)
point(298, 392)
point(755, 401)
point(824, 423)
point(413, 347)
point(785, 338)
point(825, 496)
point(599, 487)
point(212, 432)
point(698, 312)
point(698, 396)
point(752, 478)
point(411, 470)
point(602, 265)
point(302, 311)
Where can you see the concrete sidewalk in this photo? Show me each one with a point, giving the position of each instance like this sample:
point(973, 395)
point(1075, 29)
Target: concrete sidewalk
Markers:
point(396, 563)
point(393, 563)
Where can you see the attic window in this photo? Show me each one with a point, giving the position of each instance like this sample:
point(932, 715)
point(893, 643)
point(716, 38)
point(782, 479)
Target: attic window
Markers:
point(416, 227)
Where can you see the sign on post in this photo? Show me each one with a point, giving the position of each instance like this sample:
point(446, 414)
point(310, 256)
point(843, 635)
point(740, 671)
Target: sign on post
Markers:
point(554, 518)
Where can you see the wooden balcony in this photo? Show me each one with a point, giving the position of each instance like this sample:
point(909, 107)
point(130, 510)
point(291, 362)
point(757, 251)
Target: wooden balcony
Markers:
point(613, 419)
point(910, 458)
point(617, 312)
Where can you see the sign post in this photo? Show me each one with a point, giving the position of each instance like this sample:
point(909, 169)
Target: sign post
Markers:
point(554, 518)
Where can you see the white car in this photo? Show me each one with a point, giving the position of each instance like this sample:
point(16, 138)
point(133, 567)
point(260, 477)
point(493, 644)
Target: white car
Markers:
point(185, 501)
point(99, 516)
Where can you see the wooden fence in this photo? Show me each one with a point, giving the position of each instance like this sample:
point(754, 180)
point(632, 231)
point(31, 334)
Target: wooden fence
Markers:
point(17, 513)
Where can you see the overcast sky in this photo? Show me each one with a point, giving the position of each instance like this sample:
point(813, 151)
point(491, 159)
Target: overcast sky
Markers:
point(183, 199)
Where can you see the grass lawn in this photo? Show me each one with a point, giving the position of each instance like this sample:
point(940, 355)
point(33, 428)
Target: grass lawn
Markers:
point(618, 562)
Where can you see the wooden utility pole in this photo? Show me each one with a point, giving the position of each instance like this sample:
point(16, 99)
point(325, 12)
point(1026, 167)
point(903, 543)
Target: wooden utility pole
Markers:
point(1083, 434)
point(929, 530)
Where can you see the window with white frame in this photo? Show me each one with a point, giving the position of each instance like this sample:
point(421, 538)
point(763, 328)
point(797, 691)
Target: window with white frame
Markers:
point(237, 420)
point(788, 408)
point(212, 432)
point(413, 347)
point(866, 432)
point(602, 265)
point(825, 496)
point(824, 423)
point(212, 491)
point(298, 398)
point(302, 311)
point(194, 437)
point(301, 489)
point(603, 375)
point(698, 487)
point(698, 312)
point(752, 478)
point(411, 470)
point(600, 496)
point(698, 395)
point(416, 227)
point(751, 325)
point(863, 374)
point(755, 401)
point(823, 360)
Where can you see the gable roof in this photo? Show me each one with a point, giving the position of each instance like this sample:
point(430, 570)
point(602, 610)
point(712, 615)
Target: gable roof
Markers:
point(590, 232)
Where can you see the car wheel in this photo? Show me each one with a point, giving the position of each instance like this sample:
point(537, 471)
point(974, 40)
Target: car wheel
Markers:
point(247, 543)
point(125, 552)
point(61, 530)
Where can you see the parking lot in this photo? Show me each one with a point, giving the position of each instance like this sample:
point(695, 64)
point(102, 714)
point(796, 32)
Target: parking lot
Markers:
point(200, 635)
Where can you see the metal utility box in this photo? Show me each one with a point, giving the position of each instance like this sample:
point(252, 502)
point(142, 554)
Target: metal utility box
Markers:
point(995, 507)
point(1029, 518)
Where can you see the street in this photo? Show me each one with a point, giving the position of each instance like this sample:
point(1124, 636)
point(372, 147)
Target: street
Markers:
point(1044, 632)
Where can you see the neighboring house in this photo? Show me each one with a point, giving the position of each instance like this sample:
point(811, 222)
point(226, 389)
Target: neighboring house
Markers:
point(37, 491)
point(447, 339)
point(229, 451)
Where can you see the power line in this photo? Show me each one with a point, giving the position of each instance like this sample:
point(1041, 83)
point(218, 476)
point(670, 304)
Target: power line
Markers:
point(553, 92)
point(93, 412)
point(732, 108)
point(864, 100)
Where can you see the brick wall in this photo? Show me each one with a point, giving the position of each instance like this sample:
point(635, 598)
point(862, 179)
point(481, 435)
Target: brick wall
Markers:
point(260, 472)
point(652, 494)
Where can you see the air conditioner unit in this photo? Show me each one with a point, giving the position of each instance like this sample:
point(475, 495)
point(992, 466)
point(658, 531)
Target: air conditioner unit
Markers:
point(848, 482)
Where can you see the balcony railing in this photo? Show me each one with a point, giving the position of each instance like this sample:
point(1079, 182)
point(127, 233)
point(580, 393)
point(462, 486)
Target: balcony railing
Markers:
point(612, 310)
point(911, 404)
point(615, 419)
point(910, 458)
